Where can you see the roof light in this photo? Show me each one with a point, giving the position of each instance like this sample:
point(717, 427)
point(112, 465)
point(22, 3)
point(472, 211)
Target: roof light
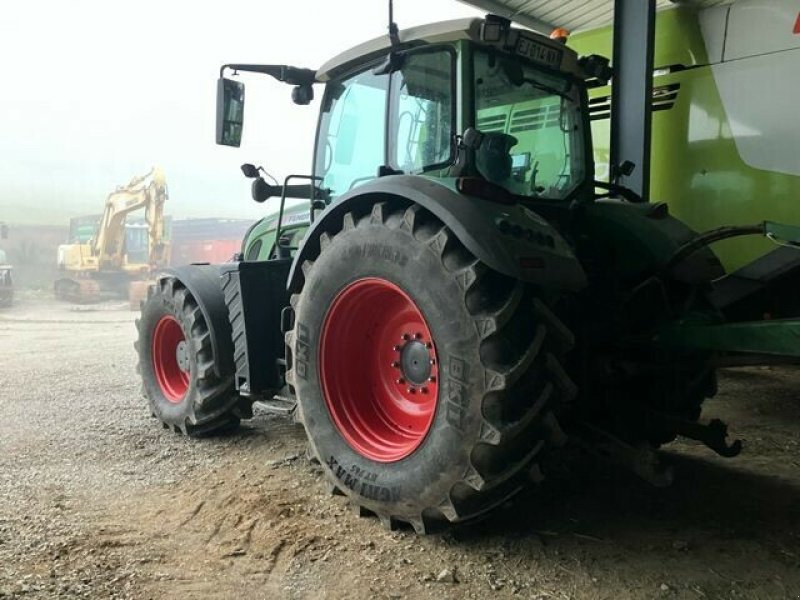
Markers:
point(493, 28)
point(491, 32)
point(560, 34)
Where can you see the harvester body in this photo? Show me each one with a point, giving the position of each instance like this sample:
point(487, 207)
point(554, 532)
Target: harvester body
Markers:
point(724, 129)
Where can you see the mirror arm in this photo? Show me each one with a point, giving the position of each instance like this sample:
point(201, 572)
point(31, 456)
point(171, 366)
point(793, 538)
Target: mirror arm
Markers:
point(284, 73)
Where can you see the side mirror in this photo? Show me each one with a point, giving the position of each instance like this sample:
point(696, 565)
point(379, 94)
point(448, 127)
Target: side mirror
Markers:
point(230, 112)
point(626, 169)
point(250, 171)
point(597, 66)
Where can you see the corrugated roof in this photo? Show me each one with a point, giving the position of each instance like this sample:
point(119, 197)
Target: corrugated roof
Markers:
point(445, 31)
point(574, 15)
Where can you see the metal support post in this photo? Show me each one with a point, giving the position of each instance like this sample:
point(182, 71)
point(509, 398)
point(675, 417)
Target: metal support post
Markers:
point(632, 92)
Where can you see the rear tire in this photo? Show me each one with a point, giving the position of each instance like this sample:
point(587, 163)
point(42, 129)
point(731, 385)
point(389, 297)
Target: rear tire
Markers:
point(180, 379)
point(476, 438)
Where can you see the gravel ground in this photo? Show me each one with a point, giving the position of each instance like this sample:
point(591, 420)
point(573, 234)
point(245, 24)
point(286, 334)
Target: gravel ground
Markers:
point(96, 500)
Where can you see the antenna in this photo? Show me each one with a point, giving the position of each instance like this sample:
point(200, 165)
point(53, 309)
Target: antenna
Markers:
point(394, 32)
point(394, 61)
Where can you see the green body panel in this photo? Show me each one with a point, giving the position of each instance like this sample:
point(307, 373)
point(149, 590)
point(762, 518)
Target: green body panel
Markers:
point(704, 181)
point(295, 220)
point(783, 233)
point(780, 337)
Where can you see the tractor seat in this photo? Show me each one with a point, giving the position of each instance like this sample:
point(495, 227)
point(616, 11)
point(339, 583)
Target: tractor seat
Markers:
point(493, 157)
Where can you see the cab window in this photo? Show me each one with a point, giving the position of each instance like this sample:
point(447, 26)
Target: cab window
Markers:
point(534, 139)
point(421, 117)
point(415, 105)
point(351, 144)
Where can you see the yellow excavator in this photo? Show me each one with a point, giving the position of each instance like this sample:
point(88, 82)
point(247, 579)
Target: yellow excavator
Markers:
point(100, 268)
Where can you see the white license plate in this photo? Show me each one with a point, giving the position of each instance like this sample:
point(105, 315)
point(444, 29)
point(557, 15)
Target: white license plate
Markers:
point(539, 53)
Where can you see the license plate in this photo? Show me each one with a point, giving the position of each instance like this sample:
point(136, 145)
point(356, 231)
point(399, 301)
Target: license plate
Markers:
point(539, 53)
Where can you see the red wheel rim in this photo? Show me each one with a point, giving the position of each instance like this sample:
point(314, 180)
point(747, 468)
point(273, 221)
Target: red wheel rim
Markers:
point(378, 369)
point(170, 359)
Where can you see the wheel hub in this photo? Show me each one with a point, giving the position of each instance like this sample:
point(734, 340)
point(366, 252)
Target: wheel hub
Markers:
point(415, 362)
point(182, 356)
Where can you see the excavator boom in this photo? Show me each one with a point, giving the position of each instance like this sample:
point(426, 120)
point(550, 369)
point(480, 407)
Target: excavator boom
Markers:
point(147, 191)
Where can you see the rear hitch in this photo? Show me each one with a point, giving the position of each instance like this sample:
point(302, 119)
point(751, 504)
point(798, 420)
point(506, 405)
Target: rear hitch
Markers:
point(714, 435)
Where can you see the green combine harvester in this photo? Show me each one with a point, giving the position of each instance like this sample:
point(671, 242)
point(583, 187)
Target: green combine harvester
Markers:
point(725, 132)
point(459, 294)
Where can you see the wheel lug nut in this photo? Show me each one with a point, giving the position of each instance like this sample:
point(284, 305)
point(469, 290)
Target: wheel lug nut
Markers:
point(406, 336)
point(428, 345)
point(432, 361)
point(395, 364)
point(424, 390)
point(400, 380)
point(418, 336)
point(397, 348)
point(412, 390)
point(432, 379)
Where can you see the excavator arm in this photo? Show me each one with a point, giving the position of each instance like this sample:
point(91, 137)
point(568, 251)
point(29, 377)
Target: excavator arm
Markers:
point(154, 217)
point(147, 191)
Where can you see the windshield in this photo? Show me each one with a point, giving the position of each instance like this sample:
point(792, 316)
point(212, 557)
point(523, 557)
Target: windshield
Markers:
point(533, 143)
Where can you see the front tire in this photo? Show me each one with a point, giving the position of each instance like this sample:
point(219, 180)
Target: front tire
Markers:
point(180, 379)
point(410, 441)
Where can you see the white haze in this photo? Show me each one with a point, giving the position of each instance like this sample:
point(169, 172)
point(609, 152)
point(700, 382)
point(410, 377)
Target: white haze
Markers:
point(95, 92)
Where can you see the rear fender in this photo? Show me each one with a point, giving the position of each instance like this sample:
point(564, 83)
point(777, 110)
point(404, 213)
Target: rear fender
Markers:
point(510, 239)
point(639, 239)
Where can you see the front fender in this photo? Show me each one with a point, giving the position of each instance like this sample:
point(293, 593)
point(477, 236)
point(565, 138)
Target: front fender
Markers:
point(512, 240)
point(203, 282)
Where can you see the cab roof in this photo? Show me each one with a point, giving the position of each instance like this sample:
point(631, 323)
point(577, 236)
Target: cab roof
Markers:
point(434, 33)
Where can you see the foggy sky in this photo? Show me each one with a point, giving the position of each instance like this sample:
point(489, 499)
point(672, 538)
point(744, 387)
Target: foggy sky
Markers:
point(96, 92)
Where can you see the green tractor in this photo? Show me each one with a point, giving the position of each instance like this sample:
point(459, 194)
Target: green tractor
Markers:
point(458, 295)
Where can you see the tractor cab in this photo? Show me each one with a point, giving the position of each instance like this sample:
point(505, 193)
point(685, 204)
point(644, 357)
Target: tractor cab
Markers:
point(473, 97)
point(406, 112)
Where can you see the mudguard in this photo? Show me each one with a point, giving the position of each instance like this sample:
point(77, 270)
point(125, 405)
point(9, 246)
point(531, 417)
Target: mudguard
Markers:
point(641, 238)
point(510, 239)
point(203, 282)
